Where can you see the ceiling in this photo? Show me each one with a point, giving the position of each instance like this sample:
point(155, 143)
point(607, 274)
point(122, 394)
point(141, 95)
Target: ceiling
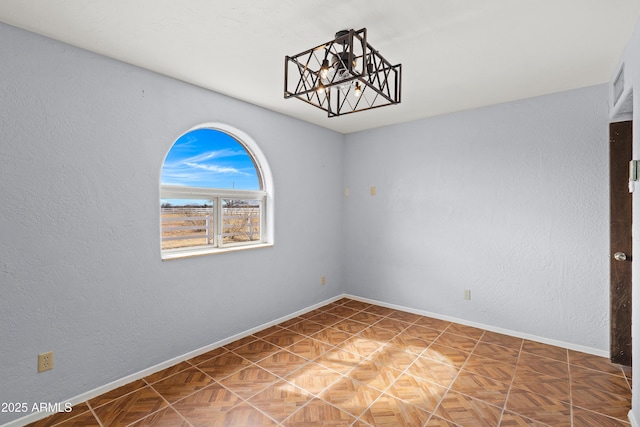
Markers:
point(455, 54)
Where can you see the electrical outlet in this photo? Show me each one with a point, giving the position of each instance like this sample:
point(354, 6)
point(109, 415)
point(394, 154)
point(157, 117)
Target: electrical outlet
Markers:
point(323, 281)
point(467, 294)
point(45, 361)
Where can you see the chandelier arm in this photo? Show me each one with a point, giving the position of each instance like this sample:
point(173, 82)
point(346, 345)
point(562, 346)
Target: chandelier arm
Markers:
point(341, 104)
point(379, 91)
point(302, 72)
point(357, 111)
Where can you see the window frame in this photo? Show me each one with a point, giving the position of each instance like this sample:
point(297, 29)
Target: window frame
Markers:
point(217, 195)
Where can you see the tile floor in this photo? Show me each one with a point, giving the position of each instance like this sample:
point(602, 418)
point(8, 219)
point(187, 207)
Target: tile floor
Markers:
point(351, 363)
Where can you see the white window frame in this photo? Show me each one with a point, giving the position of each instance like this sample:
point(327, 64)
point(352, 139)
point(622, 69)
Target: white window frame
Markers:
point(264, 198)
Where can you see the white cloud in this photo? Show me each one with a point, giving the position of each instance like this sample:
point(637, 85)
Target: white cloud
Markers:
point(216, 168)
point(208, 155)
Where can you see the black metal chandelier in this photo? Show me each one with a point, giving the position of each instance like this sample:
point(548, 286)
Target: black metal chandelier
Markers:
point(343, 76)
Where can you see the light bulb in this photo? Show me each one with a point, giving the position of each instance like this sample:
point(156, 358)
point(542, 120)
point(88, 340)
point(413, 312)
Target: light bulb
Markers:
point(357, 91)
point(324, 70)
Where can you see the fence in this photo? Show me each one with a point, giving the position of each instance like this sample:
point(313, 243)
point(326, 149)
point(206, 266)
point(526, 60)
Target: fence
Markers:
point(187, 226)
point(185, 209)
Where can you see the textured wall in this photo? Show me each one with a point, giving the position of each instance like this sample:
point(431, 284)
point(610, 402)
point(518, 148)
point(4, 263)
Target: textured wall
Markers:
point(509, 201)
point(82, 142)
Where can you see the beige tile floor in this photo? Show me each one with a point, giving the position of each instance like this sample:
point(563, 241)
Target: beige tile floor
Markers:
point(351, 363)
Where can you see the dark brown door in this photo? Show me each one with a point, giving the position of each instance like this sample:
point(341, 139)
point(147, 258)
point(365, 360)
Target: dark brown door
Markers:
point(620, 152)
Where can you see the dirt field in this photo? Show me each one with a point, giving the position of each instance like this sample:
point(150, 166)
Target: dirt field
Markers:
point(238, 226)
point(199, 229)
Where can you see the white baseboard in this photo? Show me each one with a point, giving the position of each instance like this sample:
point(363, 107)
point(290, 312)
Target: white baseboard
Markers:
point(159, 367)
point(570, 346)
point(156, 368)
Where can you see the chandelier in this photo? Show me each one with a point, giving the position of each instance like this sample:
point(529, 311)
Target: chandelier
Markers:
point(343, 76)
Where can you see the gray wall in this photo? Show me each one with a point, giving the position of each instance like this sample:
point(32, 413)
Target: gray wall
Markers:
point(509, 201)
point(82, 142)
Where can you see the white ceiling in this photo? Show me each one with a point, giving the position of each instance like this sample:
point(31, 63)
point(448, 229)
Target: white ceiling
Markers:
point(455, 54)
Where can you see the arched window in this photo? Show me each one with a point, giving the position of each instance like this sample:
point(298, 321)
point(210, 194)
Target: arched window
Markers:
point(216, 194)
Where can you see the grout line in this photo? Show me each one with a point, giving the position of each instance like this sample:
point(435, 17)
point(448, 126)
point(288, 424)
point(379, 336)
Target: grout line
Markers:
point(456, 376)
point(181, 416)
point(570, 389)
point(57, 423)
point(245, 401)
point(242, 400)
point(625, 423)
point(169, 405)
point(513, 378)
point(369, 357)
point(120, 396)
point(95, 415)
point(315, 395)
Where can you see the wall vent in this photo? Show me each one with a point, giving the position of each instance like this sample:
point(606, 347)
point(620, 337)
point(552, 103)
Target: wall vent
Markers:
point(618, 86)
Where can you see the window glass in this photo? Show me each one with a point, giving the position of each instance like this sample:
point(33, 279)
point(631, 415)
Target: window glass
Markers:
point(209, 158)
point(187, 223)
point(212, 195)
point(241, 220)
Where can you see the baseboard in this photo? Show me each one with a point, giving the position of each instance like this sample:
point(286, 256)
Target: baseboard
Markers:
point(557, 343)
point(159, 367)
point(632, 419)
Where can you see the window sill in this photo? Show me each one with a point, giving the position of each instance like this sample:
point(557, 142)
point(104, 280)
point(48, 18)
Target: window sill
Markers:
point(167, 256)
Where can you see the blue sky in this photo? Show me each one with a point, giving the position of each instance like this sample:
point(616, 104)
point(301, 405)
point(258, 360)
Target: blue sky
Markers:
point(209, 158)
